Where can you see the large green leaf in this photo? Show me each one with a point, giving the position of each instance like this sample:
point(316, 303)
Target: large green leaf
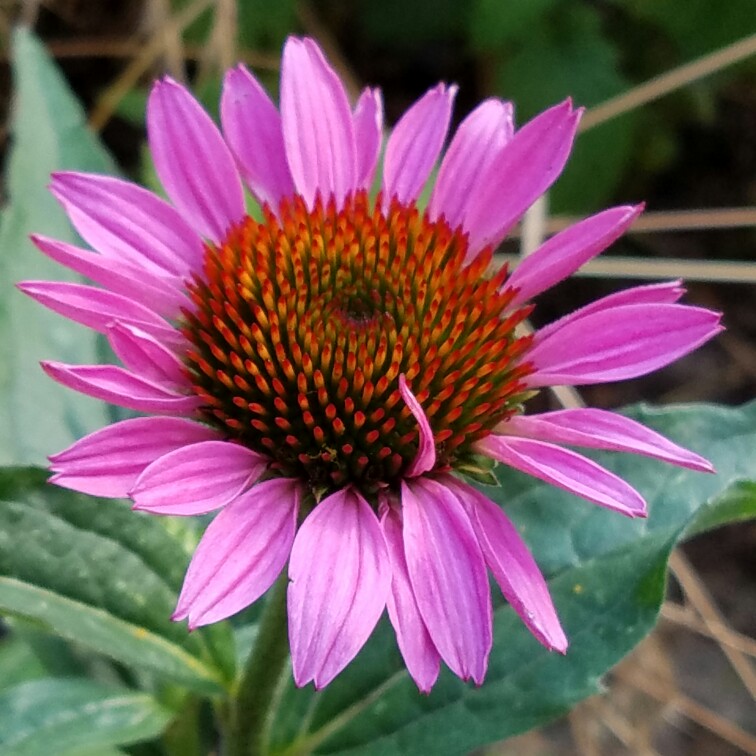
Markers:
point(72, 717)
point(607, 579)
point(98, 574)
point(49, 133)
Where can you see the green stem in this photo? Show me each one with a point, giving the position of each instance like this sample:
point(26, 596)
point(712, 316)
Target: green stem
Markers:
point(251, 707)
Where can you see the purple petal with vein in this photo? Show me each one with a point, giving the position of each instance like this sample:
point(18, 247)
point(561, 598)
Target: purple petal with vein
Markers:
point(252, 127)
point(425, 459)
point(512, 565)
point(145, 356)
point(317, 124)
point(565, 469)
point(624, 342)
point(525, 169)
point(448, 576)
point(599, 429)
point(125, 222)
point(563, 254)
point(192, 161)
point(340, 581)
point(241, 553)
point(108, 461)
point(197, 478)
point(368, 135)
point(419, 653)
point(475, 146)
point(415, 144)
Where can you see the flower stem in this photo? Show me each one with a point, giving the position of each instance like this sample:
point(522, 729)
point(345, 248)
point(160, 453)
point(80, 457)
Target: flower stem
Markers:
point(251, 708)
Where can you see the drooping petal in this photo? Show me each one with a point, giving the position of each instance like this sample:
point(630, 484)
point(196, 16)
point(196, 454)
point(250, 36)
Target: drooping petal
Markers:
point(252, 127)
point(419, 653)
point(415, 144)
point(475, 146)
point(368, 135)
point(425, 459)
point(161, 294)
point(565, 469)
point(340, 581)
point(192, 161)
point(525, 169)
point(241, 553)
point(448, 576)
point(113, 384)
point(108, 461)
point(197, 478)
point(569, 250)
point(621, 343)
point(146, 356)
point(599, 429)
point(512, 565)
point(317, 124)
point(123, 221)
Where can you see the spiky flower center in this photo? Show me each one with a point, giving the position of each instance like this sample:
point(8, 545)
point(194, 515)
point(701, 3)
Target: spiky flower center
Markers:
point(303, 324)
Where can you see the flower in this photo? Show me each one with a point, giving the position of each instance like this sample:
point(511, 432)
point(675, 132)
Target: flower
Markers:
point(320, 374)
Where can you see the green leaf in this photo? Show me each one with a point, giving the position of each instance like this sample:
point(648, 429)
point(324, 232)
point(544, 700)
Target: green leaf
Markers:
point(18, 662)
point(72, 717)
point(48, 133)
point(98, 574)
point(607, 580)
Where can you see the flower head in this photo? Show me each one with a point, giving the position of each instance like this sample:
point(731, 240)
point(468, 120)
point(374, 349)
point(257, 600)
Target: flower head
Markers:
point(323, 374)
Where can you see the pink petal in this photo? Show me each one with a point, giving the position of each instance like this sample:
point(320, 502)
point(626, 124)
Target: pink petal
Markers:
point(96, 308)
point(161, 294)
point(241, 553)
point(145, 356)
point(197, 478)
point(524, 170)
point(125, 222)
point(448, 576)
point(108, 461)
point(512, 565)
point(415, 144)
point(340, 580)
point(419, 653)
point(425, 459)
point(118, 386)
point(599, 429)
point(624, 342)
point(192, 161)
point(317, 124)
point(567, 470)
point(563, 254)
point(252, 127)
point(368, 135)
point(477, 143)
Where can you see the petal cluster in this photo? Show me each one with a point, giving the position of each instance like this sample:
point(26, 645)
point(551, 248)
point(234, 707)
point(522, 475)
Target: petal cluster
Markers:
point(421, 546)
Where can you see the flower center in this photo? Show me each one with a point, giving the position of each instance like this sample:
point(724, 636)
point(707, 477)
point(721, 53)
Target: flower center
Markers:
point(303, 323)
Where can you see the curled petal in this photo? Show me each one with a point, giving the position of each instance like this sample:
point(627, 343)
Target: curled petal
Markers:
point(475, 146)
point(109, 461)
point(415, 144)
point(419, 653)
point(340, 580)
point(368, 134)
point(570, 249)
point(197, 478)
point(241, 553)
point(252, 127)
point(567, 470)
point(599, 429)
point(317, 124)
point(512, 565)
point(145, 356)
point(123, 221)
point(192, 161)
point(425, 459)
point(118, 386)
point(624, 342)
point(448, 576)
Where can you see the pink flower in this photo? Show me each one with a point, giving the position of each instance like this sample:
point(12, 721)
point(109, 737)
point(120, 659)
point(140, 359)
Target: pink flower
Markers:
point(319, 376)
